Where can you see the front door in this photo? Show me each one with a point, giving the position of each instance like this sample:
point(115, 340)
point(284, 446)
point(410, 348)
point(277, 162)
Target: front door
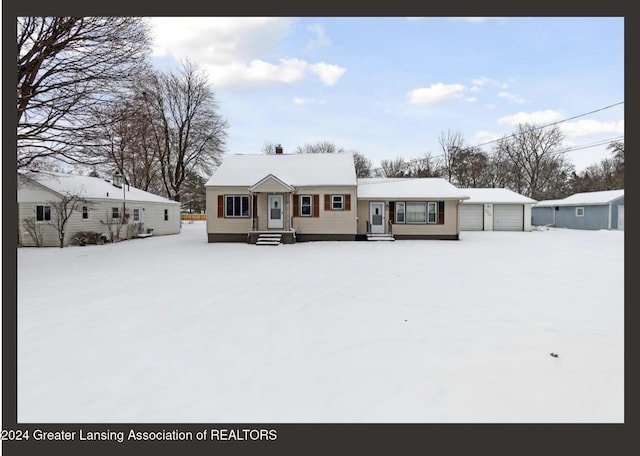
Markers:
point(376, 217)
point(275, 218)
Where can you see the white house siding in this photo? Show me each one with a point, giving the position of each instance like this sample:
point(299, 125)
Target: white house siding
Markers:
point(223, 225)
point(328, 221)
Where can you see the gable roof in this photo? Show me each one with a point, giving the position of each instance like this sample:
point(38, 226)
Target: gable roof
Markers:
point(92, 187)
point(292, 169)
point(495, 195)
point(585, 199)
point(426, 187)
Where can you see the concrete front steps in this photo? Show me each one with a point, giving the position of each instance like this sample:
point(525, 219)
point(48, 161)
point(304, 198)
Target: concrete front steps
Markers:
point(380, 237)
point(269, 239)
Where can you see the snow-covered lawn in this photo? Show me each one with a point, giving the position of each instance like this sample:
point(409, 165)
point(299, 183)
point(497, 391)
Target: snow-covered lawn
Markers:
point(173, 329)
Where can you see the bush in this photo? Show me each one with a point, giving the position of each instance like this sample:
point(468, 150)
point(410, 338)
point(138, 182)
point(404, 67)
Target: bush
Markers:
point(89, 237)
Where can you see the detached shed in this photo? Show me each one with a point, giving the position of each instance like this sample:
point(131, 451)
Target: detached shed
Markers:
point(495, 209)
point(583, 211)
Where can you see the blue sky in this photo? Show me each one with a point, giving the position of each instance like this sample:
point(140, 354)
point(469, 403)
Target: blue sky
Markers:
point(388, 87)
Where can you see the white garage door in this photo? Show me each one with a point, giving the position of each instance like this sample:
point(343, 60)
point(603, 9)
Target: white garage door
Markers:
point(508, 217)
point(471, 217)
point(621, 218)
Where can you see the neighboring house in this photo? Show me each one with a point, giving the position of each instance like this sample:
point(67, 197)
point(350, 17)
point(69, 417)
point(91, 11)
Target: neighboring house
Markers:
point(408, 208)
point(495, 209)
point(39, 190)
point(585, 211)
point(282, 198)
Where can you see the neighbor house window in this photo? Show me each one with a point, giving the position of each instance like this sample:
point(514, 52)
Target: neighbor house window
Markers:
point(305, 205)
point(579, 211)
point(432, 212)
point(115, 212)
point(43, 213)
point(337, 202)
point(237, 205)
point(136, 215)
point(166, 215)
point(416, 212)
point(399, 212)
point(85, 213)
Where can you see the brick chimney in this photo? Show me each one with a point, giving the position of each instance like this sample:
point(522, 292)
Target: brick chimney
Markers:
point(279, 149)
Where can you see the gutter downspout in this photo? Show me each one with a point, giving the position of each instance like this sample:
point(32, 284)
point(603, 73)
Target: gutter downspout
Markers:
point(610, 210)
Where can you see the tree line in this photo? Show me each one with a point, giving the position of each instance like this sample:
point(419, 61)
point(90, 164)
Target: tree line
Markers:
point(87, 96)
point(530, 161)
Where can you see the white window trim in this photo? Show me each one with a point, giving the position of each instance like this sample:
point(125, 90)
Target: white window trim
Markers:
point(579, 209)
point(341, 208)
point(133, 215)
point(226, 199)
point(44, 220)
point(404, 215)
point(118, 212)
point(434, 204)
point(310, 214)
point(88, 213)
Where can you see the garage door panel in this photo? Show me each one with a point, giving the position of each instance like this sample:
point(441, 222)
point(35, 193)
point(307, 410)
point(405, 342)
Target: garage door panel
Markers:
point(471, 217)
point(508, 217)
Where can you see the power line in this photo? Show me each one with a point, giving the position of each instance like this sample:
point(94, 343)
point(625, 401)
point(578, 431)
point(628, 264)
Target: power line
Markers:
point(550, 124)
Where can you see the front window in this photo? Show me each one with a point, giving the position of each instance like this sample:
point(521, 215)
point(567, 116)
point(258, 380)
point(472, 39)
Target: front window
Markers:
point(166, 215)
point(399, 212)
point(43, 213)
point(337, 202)
point(579, 211)
point(432, 212)
point(115, 212)
point(136, 215)
point(85, 213)
point(416, 212)
point(237, 205)
point(305, 205)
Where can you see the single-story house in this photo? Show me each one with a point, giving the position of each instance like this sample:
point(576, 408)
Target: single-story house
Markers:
point(495, 209)
point(282, 198)
point(584, 211)
point(105, 202)
point(269, 199)
point(408, 208)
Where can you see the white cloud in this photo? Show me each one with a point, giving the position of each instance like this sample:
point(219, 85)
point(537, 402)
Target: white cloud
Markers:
point(512, 98)
point(436, 93)
point(483, 80)
point(329, 74)
point(320, 39)
point(303, 101)
point(472, 99)
point(475, 89)
point(238, 52)
point(537, 117)
point(484, 136)
point(591, 127)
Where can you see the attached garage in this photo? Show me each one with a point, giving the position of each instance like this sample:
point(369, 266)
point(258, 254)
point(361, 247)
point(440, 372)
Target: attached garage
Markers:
point(471, 217)
point(508, 217)
point(495, 209)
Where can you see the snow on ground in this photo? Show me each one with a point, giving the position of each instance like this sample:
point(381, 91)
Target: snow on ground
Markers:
point(173, 329)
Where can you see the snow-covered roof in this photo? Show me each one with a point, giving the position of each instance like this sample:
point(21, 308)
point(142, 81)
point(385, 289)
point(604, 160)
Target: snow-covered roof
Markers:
point(428, 187)
point(495, 195)
point(293, 169)
point(585, 199)
point(92, 187)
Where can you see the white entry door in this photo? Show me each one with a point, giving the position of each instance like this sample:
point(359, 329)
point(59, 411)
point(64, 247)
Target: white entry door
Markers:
point(276, 216)
point(376, 217)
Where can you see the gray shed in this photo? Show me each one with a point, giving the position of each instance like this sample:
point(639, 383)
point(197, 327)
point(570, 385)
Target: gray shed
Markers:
point(583, 211)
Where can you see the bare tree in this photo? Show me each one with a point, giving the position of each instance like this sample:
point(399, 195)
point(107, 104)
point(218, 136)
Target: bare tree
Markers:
point(115, 223)
point(532, 151)
point(320, 147)
point(469, 167)
point(33, 229)
point(188, 131)
point(364, 166)
point(269, 148)
point(63, 209)
point(397, 167)
point(451, 143)
point(425, 166)
point(65, 67)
